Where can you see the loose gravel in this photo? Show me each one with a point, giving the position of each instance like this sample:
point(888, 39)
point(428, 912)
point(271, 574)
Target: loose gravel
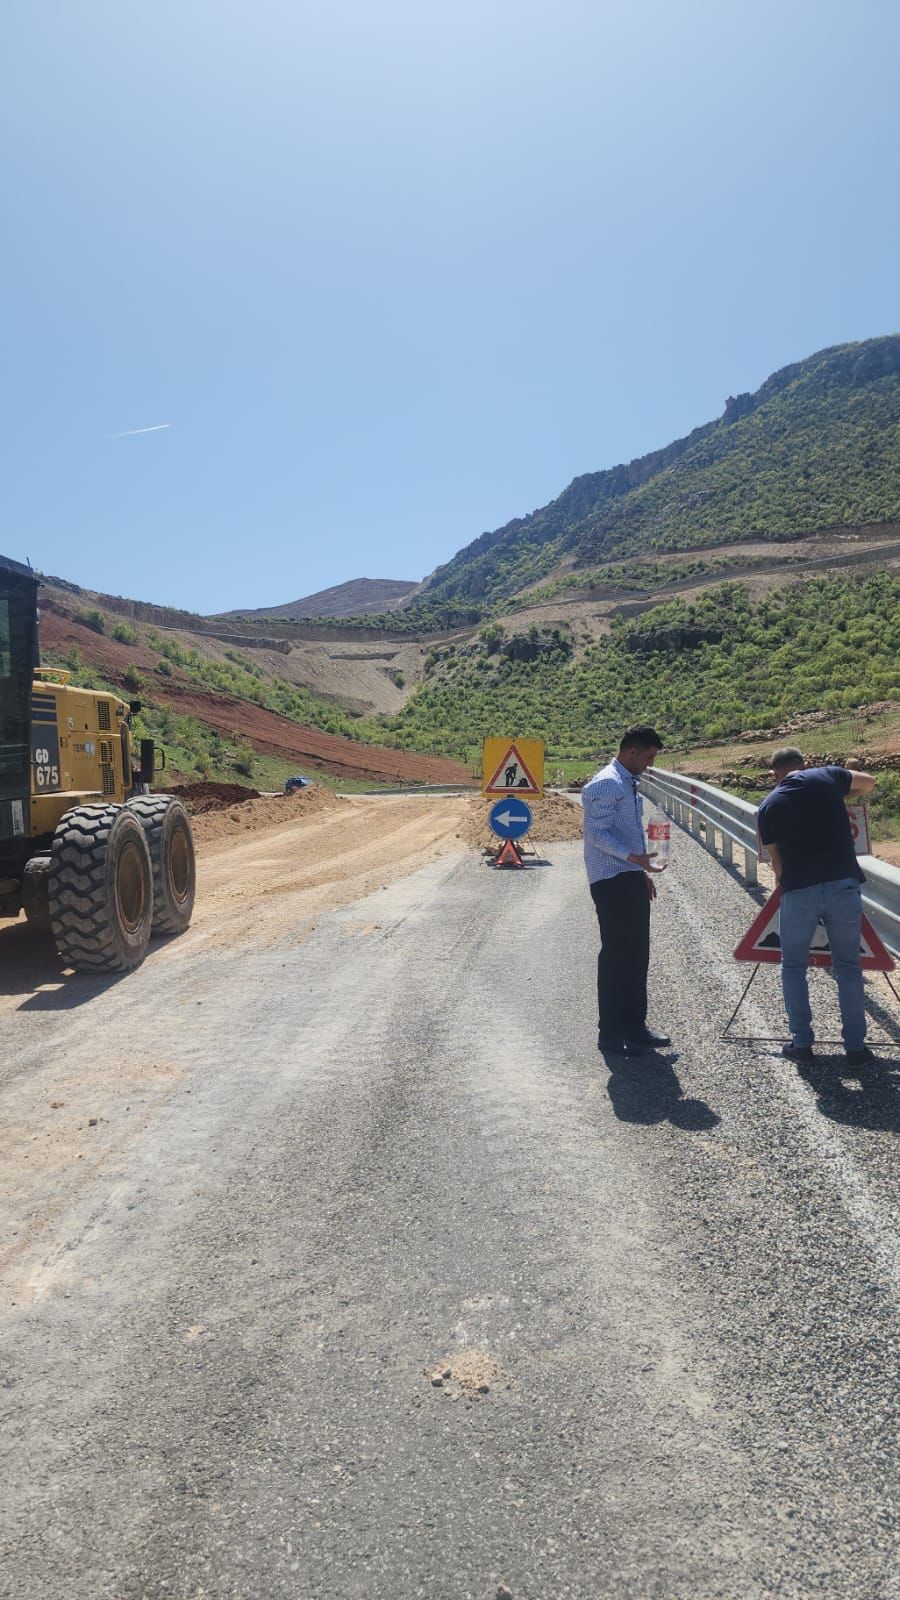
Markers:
point(393, 1152)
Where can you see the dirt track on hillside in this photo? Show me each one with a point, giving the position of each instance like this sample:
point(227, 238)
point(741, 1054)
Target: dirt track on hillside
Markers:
point(591, 611)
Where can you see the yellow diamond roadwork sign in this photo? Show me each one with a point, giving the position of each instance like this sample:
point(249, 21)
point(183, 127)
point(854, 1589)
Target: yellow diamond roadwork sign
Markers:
point(512, 766)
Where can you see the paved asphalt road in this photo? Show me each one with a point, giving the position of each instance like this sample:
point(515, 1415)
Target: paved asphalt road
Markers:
point(392, 1151)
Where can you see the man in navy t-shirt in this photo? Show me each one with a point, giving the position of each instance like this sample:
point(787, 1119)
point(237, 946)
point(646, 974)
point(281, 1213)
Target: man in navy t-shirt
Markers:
point(805, 825)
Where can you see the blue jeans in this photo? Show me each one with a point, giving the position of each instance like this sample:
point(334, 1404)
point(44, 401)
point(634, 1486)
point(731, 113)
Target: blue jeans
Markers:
point(839, 906)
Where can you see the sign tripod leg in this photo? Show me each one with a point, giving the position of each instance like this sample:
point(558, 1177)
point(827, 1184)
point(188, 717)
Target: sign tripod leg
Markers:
point(765, 1038)
point(887, 979)
point(744, 995)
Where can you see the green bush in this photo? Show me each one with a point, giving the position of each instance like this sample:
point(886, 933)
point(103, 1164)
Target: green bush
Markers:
point(91, 618)
point(884, 803)
point(125, 633)
point(704, 669)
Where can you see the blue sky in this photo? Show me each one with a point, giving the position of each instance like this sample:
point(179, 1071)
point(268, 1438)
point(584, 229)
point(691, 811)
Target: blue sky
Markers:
point(395, 273)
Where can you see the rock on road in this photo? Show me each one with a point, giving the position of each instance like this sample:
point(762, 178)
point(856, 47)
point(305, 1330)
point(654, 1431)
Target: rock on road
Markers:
point(371, 1280)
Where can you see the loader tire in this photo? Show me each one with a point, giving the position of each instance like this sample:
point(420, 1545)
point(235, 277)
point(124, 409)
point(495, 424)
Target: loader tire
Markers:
point(36, 893)
point(168, 828)
point(101, 889)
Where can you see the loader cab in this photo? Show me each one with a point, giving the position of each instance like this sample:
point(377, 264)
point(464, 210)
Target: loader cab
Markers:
point(18, 652)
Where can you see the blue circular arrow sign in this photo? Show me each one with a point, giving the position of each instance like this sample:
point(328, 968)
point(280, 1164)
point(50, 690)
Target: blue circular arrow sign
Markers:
point(510, 819)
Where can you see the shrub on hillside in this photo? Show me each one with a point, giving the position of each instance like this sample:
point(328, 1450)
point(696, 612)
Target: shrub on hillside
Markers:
point(91, 618)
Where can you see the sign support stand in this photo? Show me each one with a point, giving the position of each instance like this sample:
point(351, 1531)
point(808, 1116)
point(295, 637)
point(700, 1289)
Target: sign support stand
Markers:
point(771, 1038)
point(746, 991)
point(509, 856)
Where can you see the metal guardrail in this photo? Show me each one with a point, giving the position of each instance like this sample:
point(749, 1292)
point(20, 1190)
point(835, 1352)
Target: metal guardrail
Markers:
point(709, 813)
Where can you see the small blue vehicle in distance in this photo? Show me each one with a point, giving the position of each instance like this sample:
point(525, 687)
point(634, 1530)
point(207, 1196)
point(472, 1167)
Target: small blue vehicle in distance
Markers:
point(298, 782)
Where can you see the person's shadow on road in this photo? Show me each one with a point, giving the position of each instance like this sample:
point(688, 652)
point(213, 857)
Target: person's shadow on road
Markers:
point(861, 1097)
point(646, 1089)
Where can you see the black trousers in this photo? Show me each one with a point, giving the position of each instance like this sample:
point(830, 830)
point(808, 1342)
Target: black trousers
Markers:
point(623, 912)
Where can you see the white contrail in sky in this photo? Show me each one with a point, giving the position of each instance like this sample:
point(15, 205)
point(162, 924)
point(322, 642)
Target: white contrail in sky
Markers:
point(157, 427)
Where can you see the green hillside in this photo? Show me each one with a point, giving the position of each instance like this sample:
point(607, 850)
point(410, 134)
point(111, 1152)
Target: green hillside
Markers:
point(817, 446)
point(700, 670)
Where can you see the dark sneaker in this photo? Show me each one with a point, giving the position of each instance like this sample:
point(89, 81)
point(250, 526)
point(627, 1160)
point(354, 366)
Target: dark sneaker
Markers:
point(798, 1052)
point(860, 1058)
point(655, 1041)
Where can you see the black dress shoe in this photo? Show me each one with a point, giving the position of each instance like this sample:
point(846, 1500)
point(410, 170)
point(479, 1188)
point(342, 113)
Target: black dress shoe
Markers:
point(646, 1036)
point(612, 1046)
point(636, 1047)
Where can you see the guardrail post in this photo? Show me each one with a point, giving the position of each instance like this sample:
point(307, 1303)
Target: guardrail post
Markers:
point(727, 852)
point(750, 866)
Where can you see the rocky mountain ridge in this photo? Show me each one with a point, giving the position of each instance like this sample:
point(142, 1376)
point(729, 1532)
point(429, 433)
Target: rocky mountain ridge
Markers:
point(816, 446)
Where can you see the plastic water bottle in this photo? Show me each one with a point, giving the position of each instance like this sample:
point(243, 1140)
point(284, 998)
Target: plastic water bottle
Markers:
point(659, 838)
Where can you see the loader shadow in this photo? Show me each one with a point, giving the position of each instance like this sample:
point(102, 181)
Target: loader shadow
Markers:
point(646, 1089)
point(860, 1097)
point(29, 962)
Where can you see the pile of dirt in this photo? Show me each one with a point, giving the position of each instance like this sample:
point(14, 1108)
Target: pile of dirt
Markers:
point(469, 1374)
point(202, 797)
point(214, 828)
point(555, 818)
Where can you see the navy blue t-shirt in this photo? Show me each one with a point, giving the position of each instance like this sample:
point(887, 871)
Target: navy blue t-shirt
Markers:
point(806, 817)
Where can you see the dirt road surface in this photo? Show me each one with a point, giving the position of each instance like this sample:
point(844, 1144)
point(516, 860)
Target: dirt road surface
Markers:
point(337, 1263)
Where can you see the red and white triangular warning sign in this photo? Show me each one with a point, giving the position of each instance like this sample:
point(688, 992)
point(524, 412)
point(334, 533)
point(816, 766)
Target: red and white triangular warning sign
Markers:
point(512, 776)
point(509, 856)
point(762, 942)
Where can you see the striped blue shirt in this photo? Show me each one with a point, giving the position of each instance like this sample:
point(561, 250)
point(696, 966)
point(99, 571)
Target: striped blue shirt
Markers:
point(613, 822)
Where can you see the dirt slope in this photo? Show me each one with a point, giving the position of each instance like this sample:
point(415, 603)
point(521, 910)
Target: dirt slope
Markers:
point(267, 731)
point(275, 735)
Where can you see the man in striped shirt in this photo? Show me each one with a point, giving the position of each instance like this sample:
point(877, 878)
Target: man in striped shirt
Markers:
point(619, 869)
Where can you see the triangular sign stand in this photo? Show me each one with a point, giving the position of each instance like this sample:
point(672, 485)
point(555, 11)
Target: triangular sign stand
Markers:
point(509, 856)
point(512, 760)
point(762, 942)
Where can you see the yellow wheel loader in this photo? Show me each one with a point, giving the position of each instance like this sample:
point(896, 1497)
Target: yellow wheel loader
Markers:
point(85, 848)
